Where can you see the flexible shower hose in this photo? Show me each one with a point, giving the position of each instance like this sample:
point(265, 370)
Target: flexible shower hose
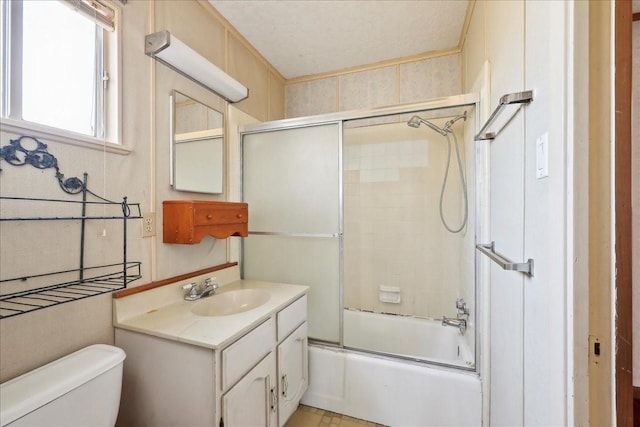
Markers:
point(444, 184)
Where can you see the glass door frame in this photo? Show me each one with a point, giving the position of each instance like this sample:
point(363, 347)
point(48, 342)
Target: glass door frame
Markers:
point(463, 100)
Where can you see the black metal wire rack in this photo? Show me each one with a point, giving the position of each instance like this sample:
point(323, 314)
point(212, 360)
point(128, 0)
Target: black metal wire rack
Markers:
point(71, 284)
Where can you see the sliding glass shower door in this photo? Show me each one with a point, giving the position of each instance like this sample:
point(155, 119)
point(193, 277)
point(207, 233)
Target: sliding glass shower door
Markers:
point(292, 183)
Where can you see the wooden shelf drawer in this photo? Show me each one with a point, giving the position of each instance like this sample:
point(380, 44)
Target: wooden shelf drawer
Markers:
point(188, 221)
point(220, 214)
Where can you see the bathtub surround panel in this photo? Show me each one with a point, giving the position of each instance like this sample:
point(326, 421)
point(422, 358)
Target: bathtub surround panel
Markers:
point(393, 232)
point(399, 393)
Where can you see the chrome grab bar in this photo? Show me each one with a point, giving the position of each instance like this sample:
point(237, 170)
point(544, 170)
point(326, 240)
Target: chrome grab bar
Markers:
point(490, 251)
point(509, 99)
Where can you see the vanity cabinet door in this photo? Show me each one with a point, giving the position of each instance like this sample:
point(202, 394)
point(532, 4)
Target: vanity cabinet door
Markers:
point(253, 400)
point(293, 372)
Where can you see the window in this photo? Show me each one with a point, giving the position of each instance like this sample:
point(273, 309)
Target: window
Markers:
point(58, 66)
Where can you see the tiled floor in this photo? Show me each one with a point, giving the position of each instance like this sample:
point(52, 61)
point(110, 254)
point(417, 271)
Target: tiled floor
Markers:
point(306, 416)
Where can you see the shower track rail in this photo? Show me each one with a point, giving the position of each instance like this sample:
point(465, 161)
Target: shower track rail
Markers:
point(518, 98)
point(506, 264)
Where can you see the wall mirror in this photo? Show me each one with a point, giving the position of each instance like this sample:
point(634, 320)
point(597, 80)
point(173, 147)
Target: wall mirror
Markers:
point(197, 146)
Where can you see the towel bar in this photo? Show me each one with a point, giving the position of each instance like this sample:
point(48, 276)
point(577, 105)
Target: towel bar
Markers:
point(511, 98)
point(490, 251)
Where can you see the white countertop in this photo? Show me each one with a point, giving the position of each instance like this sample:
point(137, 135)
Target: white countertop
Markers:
point(164, 313)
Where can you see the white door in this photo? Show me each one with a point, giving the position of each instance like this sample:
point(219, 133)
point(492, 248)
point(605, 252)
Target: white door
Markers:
point(253, 401)
point(293, 372)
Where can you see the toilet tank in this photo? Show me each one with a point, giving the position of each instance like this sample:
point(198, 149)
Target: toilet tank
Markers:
point(81, 389)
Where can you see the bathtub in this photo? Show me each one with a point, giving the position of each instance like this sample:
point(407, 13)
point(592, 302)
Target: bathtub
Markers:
point(406, 336)
point(389, 390)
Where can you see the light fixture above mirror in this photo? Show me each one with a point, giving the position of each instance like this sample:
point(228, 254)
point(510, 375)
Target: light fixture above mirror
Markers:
point(169, 50)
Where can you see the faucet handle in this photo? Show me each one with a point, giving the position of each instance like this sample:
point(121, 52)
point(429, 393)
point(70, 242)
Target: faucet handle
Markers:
point(461, 305)
point(191, 288)
point(211, 281)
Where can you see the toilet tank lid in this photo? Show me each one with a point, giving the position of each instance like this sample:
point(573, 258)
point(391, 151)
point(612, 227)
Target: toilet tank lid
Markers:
point(36, 388)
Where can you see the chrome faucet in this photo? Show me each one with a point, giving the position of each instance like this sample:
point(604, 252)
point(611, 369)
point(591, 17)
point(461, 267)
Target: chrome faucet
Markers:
point(193, 291)
point(460, 321)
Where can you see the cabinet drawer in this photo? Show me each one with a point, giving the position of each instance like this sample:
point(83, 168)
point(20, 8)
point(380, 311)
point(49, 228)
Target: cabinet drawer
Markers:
point(291, 317)
point(208, 215)
point(189, 221)
point(241, 356)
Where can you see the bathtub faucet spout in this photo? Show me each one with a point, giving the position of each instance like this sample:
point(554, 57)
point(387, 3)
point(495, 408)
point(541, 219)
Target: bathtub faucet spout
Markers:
point(456, 322)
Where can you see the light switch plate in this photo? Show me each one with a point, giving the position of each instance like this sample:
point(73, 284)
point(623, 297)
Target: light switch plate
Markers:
point(542, 156)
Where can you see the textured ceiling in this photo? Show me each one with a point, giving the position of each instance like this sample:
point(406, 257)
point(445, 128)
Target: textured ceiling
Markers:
point(305, 37)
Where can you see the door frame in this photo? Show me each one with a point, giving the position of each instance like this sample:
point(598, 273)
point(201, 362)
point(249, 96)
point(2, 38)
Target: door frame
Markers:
point(623, 237)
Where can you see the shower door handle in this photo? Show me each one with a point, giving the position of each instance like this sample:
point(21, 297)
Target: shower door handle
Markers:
point(490, 251)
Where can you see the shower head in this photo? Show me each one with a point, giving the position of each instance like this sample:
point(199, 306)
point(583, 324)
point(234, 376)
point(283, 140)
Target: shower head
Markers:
point(447, 126)
point(415, 122)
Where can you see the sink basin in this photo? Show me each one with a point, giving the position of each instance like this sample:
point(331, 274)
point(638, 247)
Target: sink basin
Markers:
point(231, 302)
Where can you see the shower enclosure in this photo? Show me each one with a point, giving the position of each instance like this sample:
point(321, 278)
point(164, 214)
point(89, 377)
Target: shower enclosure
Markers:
point(379, 216)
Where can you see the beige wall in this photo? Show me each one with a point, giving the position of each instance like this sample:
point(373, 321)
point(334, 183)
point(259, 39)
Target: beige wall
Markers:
point(600, 212)
point(370, 87)
point(32, 339)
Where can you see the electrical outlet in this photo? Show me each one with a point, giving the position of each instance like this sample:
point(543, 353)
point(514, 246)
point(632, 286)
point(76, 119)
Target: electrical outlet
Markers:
point(149, 224)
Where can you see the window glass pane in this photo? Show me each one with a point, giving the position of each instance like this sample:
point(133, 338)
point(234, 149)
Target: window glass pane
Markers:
point(58, 67)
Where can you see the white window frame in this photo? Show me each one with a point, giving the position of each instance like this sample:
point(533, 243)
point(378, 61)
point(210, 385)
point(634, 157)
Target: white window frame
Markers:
point(12, 87)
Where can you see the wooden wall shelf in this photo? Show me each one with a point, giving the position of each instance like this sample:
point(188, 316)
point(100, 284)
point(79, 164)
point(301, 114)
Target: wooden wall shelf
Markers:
point(188, 221)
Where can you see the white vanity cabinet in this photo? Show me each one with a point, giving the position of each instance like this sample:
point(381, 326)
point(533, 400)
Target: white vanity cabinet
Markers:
point(270, 392)
point(293, 356)
point(293, 372)
point(252, 402)
point(256, 377)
